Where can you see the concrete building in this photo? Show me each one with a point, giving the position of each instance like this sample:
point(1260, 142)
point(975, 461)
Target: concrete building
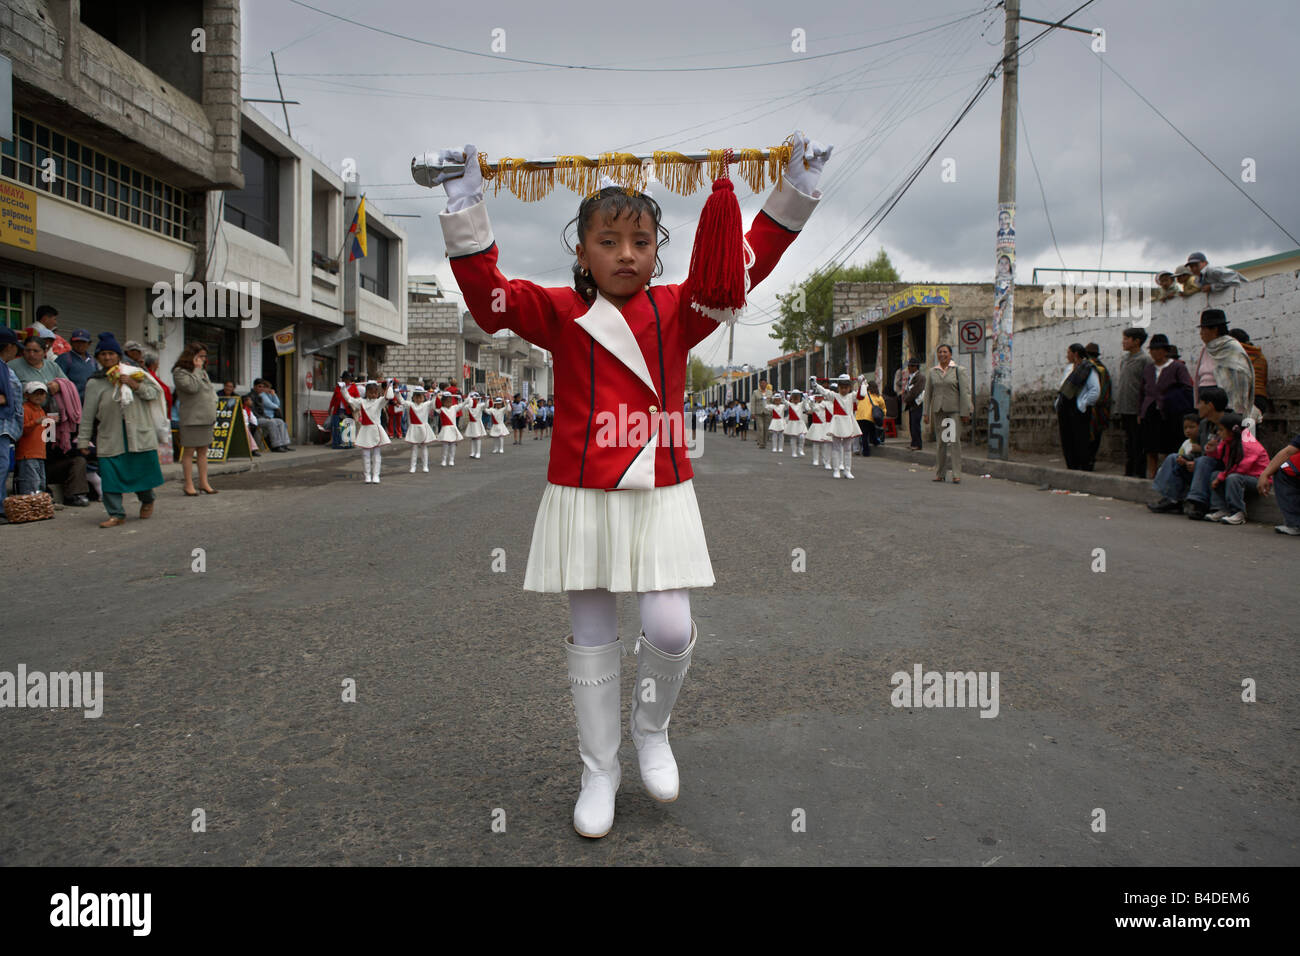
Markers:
point(125, 115)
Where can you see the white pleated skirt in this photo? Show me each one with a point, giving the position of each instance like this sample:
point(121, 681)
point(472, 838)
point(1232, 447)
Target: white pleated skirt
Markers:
point(842, 426)
point(371, 436)
point(474, 428)
point(419, 434)
point(449, 434)
point(634, 540)
point(498, 431)
point(818, 431)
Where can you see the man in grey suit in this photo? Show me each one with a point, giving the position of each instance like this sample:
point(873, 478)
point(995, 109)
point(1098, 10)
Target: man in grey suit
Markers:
point(758, 417)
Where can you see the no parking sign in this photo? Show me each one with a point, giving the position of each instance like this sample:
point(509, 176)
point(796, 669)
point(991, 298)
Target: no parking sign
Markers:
point(970, 337)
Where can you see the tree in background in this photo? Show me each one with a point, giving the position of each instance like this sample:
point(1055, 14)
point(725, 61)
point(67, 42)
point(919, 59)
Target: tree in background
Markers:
point(806, 317)
point(698, 375)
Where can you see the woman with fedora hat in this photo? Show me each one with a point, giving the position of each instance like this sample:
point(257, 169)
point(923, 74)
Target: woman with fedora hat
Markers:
point(1163, 398)
point(126, 434)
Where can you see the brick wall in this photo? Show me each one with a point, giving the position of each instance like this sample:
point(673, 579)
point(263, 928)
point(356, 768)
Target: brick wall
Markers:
point(434, 349)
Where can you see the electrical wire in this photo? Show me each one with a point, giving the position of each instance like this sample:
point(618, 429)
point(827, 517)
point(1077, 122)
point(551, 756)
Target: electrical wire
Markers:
point(1235, 185)
point(1042, 192)
point(626, 69)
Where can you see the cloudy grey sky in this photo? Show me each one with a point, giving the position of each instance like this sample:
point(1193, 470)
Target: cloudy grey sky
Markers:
point(1221, 77)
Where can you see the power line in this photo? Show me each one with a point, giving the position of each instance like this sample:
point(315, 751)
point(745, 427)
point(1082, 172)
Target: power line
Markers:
point(1042, 192)
point(629, 69)
point(1185, 139)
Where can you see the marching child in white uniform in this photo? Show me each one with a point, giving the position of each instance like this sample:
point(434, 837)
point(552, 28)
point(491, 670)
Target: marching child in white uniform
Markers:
point(499, 411)
point(620, 515)
point(796, 423)
point(819, 423)
point(419, 435)
point(448, 433)
point(844, 427)
point(371, 436)
point(474, 429)
point(776, 431)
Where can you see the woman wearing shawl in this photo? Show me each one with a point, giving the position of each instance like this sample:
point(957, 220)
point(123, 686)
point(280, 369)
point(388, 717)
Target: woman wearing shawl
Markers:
point(126, 438)
point(1080, 389)
point(1223, 362)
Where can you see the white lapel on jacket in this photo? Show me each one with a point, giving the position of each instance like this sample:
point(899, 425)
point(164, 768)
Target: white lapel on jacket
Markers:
point(606, 325)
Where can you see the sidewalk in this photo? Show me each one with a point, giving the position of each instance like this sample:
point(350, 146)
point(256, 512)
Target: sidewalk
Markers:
point(1049, 471)
point(268, 461)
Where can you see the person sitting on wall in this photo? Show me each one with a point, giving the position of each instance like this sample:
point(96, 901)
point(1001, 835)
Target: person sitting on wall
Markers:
point(1186, 486)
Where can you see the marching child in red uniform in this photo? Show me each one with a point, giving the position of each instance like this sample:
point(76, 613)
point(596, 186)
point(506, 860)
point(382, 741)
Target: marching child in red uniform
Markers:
point(419, 435)
point(447, 432)
point(619, 511)
point(371, 437)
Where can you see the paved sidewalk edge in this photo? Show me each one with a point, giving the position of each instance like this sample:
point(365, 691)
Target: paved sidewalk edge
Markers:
point(1262, 510)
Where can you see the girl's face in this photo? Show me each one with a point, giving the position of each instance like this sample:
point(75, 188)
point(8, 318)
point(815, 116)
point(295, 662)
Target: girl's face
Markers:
point(1224, 433)
point(620, 254)
point(372, 391)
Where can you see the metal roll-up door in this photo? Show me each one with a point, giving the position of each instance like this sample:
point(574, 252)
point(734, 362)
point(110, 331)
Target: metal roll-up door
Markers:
point(83, 304)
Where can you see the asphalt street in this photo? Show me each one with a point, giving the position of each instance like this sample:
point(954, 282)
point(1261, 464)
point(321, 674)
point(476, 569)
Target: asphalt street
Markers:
point(1119, 690)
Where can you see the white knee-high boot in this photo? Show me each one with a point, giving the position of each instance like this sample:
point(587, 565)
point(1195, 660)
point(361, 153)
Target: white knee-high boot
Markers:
point(817, 453)
point(365, 463)
point(594, 674)
point(378, 461)
point(452, 446)
point(415, 457)
point(424, 449)
point(794, 446)
point(802, 440)
point(475, 448)
point(658, 675)
point(848, 457)
point(446, 450)
point(837, 456)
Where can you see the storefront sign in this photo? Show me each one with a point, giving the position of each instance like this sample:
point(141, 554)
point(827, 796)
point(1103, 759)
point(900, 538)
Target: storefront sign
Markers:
point(284, 341)
point(17, 216)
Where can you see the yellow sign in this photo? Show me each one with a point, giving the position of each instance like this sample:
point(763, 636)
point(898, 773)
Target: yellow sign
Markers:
point(284, 340)
point(17, 216)
point(917, 295)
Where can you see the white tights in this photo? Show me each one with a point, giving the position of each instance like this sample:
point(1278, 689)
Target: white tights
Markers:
point(370, 461)
point(842, 453)
point(415, 455)
point(817, 453)
point(475, 447)
point(796, 444)
point(780, 443)
point(449, 453)
point(501, 444)
point(665, 618)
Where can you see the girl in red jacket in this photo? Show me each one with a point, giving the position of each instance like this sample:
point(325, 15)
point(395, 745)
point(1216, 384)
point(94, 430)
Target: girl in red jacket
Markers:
point(619, 511)
point(1244, 460)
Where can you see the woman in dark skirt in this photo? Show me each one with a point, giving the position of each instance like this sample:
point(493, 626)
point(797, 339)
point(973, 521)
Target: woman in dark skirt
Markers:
point(1164, 397)
point(197, 399)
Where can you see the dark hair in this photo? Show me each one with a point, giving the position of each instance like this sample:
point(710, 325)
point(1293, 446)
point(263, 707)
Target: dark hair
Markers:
point(186, 359)
point(1077, 349)
point(1241, 336)
point(1215, 396)
point(1220, 328)
point(43, 310)
point(613, 202)
point(1192, 417)
point(1232, 422)
point(943, 345)
point(1139, 334)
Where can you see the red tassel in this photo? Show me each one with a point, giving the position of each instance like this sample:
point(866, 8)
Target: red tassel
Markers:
point(717, 259)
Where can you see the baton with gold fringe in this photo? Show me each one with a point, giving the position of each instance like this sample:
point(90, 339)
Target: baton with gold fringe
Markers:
point(681, 173)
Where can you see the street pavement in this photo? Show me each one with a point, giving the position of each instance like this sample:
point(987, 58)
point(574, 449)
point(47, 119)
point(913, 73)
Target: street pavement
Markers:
point(1119, 690)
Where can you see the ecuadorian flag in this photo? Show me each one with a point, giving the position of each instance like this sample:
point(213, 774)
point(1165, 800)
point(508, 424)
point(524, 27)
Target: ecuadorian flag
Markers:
point(358, 232)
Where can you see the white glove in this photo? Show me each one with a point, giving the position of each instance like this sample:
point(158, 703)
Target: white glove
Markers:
point(465, 190)
point(804, 176)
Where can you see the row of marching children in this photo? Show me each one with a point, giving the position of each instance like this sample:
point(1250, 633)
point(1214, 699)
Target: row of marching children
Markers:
point(823, 418)
point(433, 421)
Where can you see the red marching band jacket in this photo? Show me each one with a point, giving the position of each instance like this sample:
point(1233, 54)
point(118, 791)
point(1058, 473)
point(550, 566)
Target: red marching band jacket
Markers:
point(620, 376)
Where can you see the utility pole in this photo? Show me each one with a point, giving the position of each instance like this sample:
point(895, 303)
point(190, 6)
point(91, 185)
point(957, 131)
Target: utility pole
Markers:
point(731, 348)
point(1004, 277)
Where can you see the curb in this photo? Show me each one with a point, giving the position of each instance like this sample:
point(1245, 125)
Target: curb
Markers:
point(269, 461)
point(1261, 510)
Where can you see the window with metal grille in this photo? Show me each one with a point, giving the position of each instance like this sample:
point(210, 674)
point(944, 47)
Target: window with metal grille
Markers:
point(95, 180)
